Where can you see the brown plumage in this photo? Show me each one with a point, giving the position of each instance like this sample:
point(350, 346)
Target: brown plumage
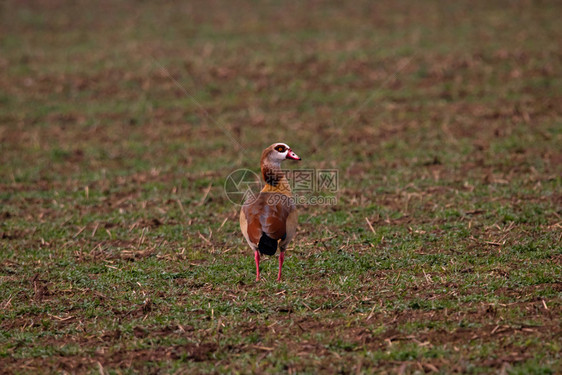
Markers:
point(269, 220)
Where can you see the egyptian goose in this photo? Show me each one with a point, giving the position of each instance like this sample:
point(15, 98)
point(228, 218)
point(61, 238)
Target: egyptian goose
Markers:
point(269, 220)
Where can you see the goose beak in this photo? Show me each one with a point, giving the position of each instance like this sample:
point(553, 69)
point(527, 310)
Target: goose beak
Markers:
point(292, 155)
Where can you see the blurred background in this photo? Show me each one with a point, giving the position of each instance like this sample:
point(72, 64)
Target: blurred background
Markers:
point(200, 86)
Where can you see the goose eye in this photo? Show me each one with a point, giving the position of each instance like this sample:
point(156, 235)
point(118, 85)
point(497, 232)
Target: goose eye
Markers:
point(280, 148)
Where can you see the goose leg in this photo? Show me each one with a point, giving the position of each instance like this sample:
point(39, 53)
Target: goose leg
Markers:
point(281, 259)
point(257, 258)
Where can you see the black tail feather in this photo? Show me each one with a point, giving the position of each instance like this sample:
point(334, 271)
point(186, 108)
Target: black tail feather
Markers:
point(267, 245)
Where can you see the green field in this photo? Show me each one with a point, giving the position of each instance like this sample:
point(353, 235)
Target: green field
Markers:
point(121, 120)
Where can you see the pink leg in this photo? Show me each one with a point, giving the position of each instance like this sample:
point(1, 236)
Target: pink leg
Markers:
point(257, 257)
point(281, 259)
